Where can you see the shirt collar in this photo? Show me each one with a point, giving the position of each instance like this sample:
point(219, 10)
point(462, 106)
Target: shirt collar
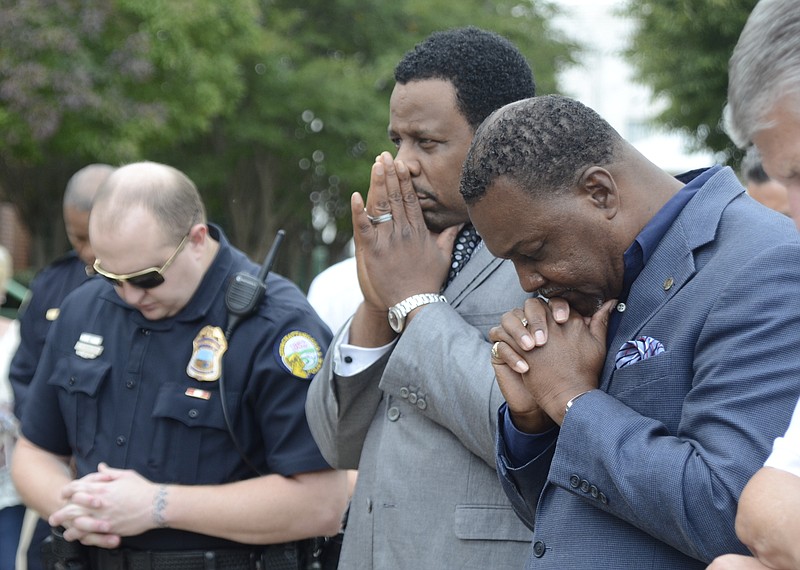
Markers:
point(639, 252)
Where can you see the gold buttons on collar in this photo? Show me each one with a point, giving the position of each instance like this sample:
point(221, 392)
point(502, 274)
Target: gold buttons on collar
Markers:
point(668, 283)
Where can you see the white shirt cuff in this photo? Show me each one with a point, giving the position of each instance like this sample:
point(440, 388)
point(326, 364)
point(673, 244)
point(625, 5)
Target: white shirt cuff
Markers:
point(349, 360)
point(786, 450)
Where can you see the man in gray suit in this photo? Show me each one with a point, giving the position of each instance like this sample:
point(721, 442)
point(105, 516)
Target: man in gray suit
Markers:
point(406, 393)
point(633, 428)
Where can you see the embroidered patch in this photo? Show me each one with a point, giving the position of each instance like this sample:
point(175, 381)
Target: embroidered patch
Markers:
point(300, 354)
point(206, 362)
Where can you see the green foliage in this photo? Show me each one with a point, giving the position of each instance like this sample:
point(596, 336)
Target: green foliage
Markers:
point(274, 108)
point(681, 49)
point(105, 81)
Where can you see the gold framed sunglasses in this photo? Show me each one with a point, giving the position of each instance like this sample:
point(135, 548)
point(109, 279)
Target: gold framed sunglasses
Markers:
point(144, 279)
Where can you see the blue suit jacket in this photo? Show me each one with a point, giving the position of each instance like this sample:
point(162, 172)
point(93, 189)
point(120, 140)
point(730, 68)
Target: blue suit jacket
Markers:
point(646, 472)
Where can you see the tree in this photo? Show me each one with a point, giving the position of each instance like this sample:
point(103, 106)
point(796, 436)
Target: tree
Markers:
point(274, 108)
point(317, 105)
point(681, 49)
point(97, 81)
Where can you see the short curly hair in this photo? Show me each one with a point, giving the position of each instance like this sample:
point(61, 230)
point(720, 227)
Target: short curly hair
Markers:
point(487, 71)
point(543, 144)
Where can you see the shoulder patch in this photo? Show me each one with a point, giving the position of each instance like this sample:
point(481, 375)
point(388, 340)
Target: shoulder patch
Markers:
point(300, 354)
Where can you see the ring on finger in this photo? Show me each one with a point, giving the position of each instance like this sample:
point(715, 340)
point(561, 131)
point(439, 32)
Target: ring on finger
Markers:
point(524, 322)
point(495, 355)
point(375, 220)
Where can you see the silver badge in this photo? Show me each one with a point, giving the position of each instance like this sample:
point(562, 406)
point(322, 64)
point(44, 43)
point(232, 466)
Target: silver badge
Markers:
point(89, 346)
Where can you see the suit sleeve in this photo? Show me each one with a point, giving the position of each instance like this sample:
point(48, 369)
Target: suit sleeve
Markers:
point(523, 484)
point(340, 410)
point(446, 360)
point(680, 483)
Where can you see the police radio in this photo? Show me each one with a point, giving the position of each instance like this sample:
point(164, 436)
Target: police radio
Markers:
point(243, 295)
point(245, 291)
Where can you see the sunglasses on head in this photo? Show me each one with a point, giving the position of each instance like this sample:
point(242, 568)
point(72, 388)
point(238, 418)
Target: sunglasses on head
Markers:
point(144, 279)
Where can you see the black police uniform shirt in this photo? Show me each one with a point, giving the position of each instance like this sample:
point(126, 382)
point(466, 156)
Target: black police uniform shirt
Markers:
point(47, 291)
point(113, 386)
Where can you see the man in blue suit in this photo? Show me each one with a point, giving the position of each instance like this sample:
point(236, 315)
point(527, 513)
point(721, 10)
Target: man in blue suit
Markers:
point(646, 393)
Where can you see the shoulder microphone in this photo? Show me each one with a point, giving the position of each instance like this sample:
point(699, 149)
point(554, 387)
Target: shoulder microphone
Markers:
point(245, 291)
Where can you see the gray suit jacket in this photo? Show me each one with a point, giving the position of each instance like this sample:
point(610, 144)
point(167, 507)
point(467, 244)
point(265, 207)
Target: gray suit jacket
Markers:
point(419, 425)
point(646, 472)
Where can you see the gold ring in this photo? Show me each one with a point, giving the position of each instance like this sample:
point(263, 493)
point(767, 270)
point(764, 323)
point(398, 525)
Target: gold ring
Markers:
point(494, 350)
point(524, 322)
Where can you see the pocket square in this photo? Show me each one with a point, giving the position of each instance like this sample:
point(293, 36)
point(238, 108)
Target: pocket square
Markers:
point(633, 351)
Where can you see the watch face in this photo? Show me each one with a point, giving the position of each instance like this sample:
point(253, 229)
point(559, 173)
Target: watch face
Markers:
point(395, 320)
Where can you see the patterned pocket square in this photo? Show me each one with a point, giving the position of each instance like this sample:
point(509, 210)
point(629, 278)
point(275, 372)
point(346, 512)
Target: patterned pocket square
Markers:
point(634, 351)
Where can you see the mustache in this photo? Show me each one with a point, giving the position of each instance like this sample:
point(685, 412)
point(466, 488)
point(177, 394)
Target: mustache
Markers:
point(551, 292)
point(423, 193)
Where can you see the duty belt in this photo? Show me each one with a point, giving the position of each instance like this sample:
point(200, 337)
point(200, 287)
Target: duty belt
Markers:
point(277, 557)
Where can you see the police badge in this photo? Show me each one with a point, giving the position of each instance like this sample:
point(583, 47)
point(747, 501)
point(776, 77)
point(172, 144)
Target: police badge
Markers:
point(206, 362)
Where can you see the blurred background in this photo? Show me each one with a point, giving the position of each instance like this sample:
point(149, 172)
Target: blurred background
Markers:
point(277, 108)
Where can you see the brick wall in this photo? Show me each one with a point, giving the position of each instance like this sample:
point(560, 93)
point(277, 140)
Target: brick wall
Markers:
point(14, 236)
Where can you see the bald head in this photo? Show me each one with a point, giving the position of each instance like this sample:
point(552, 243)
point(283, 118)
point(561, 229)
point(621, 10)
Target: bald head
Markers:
point(78, 197)
point(165, 193)
point(149, 217)
point(83, 185)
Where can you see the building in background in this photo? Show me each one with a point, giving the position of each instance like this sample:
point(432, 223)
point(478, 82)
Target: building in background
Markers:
point(603, 80)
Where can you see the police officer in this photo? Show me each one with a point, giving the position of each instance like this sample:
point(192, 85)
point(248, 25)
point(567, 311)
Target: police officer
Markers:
point(58, 279)
point(47, 291)
point(132, 383)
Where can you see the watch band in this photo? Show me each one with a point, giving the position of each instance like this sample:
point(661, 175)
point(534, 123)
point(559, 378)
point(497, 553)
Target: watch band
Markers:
point(414, 301)
point(397, 313)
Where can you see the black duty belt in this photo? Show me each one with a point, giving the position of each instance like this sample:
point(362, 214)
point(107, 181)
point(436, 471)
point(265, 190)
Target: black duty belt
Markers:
point(278, 557)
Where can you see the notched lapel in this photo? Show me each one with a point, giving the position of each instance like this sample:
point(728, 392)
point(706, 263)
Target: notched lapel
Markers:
point(670, 268)
point(673, 259)
point(480, 266)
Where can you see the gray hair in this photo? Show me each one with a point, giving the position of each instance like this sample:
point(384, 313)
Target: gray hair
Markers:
point(544, 144)
point(764, 67)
